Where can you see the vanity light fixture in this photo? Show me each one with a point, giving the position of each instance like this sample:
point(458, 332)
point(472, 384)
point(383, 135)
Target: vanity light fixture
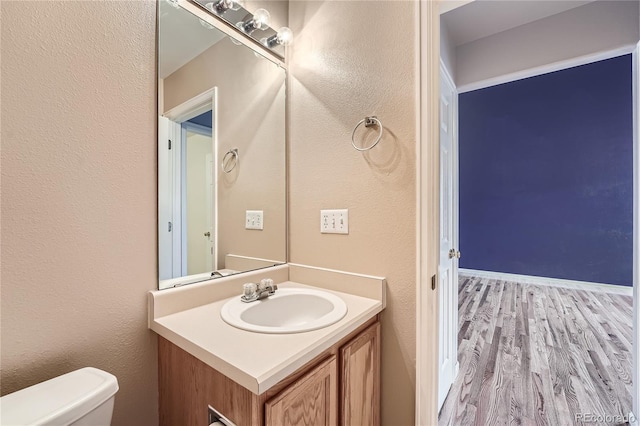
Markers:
point(283, 37)
point(221, 6)
point(259, 21)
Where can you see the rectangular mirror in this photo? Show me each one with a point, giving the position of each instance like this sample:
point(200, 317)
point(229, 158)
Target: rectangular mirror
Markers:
point(221, 153)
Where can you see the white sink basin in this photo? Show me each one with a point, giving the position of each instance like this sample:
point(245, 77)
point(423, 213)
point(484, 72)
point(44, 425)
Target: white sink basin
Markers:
point(289, 310)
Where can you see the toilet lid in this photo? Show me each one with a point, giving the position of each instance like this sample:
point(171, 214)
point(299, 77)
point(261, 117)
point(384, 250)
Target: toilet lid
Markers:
point(61, 400)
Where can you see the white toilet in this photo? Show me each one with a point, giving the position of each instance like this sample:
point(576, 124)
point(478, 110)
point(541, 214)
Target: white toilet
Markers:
point(81, 398)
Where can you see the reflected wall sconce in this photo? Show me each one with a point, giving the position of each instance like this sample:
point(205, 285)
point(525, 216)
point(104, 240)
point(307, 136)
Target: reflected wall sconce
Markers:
point(259, 21)
point(252, 25)
point(221, 6)
point(283, 37)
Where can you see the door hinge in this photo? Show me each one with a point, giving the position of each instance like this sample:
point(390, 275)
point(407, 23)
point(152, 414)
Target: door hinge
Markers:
point(170, 226)
point(433, 282)
point(169, 143)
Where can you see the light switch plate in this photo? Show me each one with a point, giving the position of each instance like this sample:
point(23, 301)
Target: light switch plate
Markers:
point(334, 221)
point(254, 219)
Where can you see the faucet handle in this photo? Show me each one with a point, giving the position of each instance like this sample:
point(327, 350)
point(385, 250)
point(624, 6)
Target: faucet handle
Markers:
point(267, 284)
point(249, 289)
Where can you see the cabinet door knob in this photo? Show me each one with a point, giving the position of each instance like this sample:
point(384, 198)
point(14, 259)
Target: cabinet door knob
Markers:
point(207, 234)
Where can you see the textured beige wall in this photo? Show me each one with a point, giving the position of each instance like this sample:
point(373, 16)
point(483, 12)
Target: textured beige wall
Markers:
point(351, 59)
point(251, 117)
point(78, 196)
point(447, 51)
point(592, 28)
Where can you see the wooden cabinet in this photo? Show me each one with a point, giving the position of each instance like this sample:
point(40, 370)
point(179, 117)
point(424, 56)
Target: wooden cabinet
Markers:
point(312, 400)
point(340, 386)
point(361, 379)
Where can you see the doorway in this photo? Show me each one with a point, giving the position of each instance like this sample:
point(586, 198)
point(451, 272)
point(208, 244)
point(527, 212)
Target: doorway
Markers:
point(187, 190)
point(425, 407)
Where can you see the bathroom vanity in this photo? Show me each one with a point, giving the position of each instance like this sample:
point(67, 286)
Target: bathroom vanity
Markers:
point(340, 386)
point(327, 376)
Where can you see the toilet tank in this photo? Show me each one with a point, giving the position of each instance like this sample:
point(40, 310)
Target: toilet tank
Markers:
point(81, 397)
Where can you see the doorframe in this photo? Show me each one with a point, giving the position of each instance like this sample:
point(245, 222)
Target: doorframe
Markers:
point(427, 217)
point(635, 80)
point(205, 101)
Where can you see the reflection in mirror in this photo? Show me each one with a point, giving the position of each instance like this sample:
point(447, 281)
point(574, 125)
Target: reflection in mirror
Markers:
point(221, 153)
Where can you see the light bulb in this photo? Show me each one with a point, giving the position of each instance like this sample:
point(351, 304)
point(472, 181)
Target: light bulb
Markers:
point(221, 6)
point(283, 38)
point(261, 19)
point(285, 35)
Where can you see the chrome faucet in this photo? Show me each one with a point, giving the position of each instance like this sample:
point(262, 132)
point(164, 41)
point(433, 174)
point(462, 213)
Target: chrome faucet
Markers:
point(253, 292)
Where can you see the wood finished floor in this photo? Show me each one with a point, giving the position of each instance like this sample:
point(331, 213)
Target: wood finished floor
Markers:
point(539, 355)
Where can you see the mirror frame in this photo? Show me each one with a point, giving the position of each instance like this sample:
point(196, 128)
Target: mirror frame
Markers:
point(218, 23)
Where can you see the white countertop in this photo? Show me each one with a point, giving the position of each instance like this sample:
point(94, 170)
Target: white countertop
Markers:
point(254, 360)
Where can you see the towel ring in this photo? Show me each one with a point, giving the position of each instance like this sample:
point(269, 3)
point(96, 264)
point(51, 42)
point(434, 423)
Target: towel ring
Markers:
point(233, 160)
point(368, 122)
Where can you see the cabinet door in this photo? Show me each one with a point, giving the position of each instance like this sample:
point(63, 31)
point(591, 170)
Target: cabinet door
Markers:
point(310, 400)
point(361, 379)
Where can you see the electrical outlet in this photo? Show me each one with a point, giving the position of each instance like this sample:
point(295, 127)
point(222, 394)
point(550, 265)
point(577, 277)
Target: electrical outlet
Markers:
point(334, 221)
point(254, 219)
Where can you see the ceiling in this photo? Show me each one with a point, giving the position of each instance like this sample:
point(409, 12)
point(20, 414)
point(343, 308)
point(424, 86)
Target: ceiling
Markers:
point(181, 38)
point(481, 18)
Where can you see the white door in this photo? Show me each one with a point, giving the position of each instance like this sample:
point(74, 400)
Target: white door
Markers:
point(209, 166)
point(198, 199)
point(169, 234)
point(447, 268)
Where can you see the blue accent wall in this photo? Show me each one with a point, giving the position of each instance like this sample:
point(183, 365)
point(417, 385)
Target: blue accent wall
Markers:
point(205, 119)
point(546, 175)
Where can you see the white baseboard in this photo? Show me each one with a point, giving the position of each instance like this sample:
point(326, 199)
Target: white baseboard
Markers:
point(556, 282)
